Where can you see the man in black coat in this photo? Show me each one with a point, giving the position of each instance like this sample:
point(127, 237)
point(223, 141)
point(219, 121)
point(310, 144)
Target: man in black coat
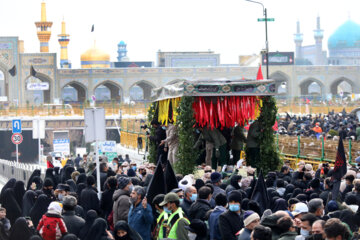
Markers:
point(189, 198)
point(88, 198)
point(231, 221)
point(106, 203)
point(104, 167)
point(356, 191)
point(160, 134)
point(73, 223)
point(199, 209)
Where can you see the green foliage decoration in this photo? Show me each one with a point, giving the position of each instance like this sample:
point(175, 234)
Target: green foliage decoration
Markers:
point(270, 160)
point(185, 122)
point(152, 114)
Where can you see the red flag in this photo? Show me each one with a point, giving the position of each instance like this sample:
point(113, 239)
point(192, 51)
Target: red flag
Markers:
point(307, 101)
point(275, 127)
point(259, 75)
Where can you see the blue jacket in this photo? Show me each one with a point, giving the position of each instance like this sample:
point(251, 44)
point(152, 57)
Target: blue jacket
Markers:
point(213, 223)
point(140, 220)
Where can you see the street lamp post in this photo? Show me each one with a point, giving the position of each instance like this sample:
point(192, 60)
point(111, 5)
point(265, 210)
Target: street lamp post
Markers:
point(266, 37)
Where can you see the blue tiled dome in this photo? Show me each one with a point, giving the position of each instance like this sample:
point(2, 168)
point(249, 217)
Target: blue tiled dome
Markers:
point(346, 36)
point(121, 42)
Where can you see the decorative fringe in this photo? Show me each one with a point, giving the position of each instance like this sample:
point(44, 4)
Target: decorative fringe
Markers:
point(226, 111)
point(168, 110)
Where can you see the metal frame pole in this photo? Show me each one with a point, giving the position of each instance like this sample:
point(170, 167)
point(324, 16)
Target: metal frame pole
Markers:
point(97, 158)
point(267, 44)
point(266, 37)
point(39, 141)
point(17, 153)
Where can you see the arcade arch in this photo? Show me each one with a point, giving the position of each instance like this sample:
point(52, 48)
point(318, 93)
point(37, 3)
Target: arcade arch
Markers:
point(74, 92)
point(108, 91)
point(38, 97)
point(281, 83)
point(2, 83)
point(311, 86)
point(141, 90)
point(343, 85)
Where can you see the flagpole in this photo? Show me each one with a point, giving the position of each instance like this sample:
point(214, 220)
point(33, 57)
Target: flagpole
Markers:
point(266, 37)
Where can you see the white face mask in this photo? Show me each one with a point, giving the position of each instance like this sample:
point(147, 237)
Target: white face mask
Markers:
point(304, 232)
point(192, 236)
point(239, 184)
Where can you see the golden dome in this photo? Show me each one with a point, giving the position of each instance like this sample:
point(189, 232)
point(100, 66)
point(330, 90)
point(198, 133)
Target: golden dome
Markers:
point(95, 58)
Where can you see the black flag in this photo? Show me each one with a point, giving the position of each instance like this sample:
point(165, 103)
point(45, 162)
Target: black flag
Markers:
point(12, 71)
point(92, 28)
point(170, 178)
point(340, 169)
point(157, 183)
point(32, 71)
point(260, 194)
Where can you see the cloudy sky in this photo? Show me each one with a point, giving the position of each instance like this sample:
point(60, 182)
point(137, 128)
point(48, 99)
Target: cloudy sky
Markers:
point(228, 27)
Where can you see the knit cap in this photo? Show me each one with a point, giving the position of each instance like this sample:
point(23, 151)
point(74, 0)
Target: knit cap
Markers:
point(249, 217)
point(234, 196)
point(123, 182)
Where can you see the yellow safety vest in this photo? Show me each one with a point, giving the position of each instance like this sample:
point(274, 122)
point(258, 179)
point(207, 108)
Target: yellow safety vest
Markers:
point(170, 227)
point(163, 217)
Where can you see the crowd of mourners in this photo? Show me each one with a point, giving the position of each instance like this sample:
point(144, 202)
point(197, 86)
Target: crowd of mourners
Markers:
point(331, 125)
point(64, 204)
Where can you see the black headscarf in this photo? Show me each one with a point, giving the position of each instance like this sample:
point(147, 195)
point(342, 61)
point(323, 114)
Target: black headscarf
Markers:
point(38, 182)
point(91, 215)
point(57, 174)
point(234, 181)
point(29, 200)
point(80, 187)
point(199, 183)
point(13, 210)
point(72, 185)
point(280, 204)
point(20, 230)
point(66, 173)
point(131, 234)
point(296, 192)
point(289, 189)
point(36, 173)
point(81, 179)
point(39, 209)
point(9, 184)
point(50, 174)
point(97, 230)
point(19, 191)
point(70, 237)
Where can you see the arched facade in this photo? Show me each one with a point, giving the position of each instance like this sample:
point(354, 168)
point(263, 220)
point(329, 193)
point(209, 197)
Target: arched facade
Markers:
point(4, 82)
point(39, 96)
point(282, 82)
point(305, 84)
point(339, 81)
point(113, 91)
point(146, 87)
point(79, 95)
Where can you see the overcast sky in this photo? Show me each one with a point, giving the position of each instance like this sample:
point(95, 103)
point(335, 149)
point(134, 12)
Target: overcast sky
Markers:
point(228, 27)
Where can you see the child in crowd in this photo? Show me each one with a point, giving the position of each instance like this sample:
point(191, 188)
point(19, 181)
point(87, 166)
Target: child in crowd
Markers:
point(51, 225)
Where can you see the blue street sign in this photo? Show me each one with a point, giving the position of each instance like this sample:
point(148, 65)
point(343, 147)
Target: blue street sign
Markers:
point(16, 126)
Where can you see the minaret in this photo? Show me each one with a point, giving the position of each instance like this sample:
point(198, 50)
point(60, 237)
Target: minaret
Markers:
point(318, 35)
point(43, 30)
point(122, 52)
point(64, 41)
point(298, 39)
